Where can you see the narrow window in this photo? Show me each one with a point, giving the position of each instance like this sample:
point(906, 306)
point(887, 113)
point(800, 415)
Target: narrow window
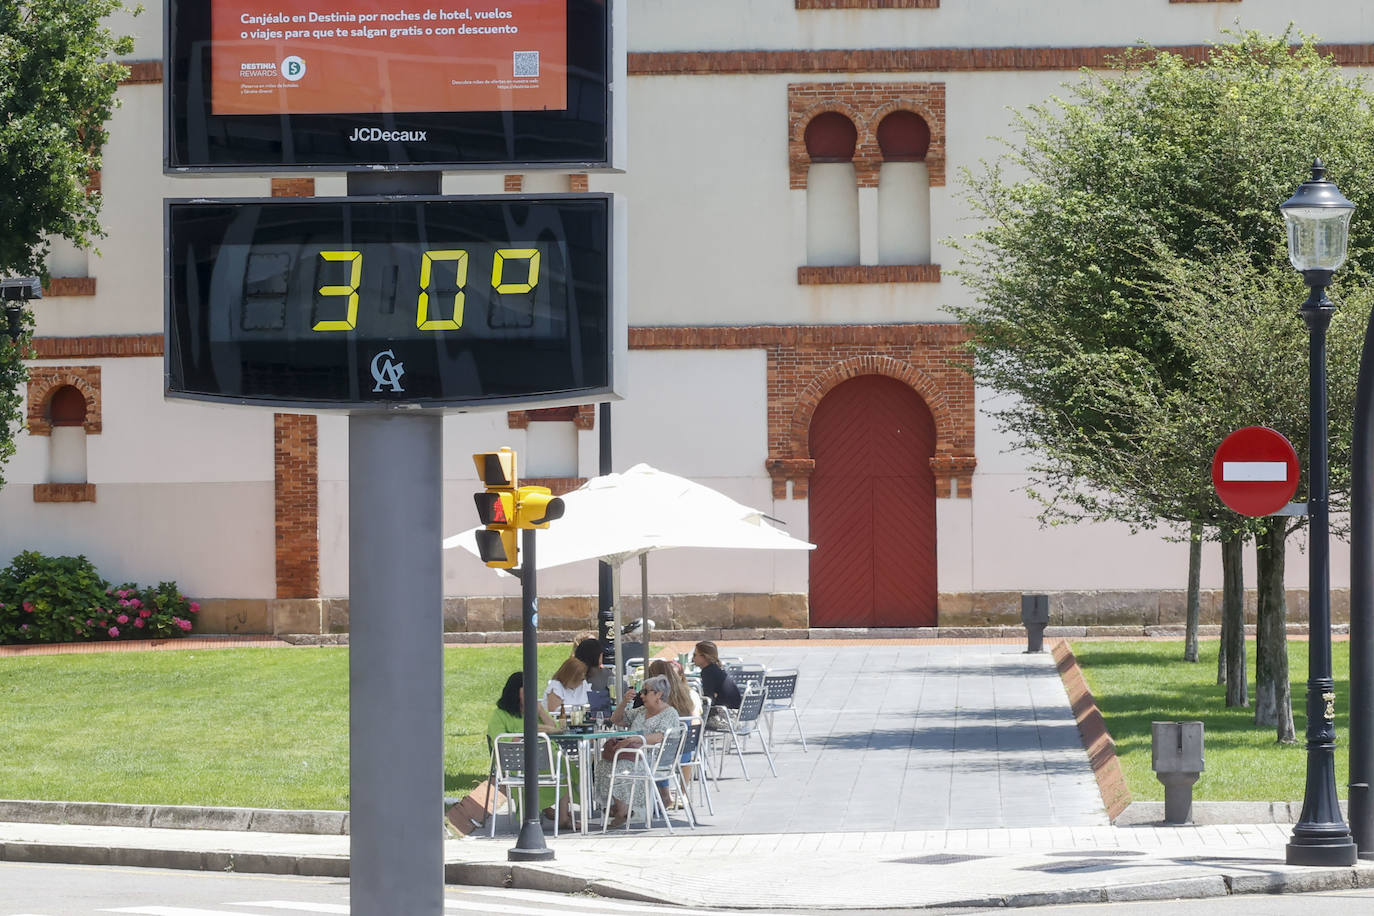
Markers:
point(903, 190)
point(67, 445)
point(832, 197)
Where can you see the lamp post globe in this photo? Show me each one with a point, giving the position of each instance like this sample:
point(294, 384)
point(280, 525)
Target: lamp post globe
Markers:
point(1318, 222)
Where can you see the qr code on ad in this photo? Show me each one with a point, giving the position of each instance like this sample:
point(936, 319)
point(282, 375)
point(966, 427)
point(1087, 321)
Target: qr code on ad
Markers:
point(526, 63)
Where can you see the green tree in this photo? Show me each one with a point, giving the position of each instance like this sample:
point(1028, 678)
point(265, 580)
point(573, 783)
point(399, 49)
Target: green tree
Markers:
point(58, 76)
point(1160, 166)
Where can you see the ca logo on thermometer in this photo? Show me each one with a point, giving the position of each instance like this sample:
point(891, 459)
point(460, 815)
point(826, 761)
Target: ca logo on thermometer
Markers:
point(388, 373)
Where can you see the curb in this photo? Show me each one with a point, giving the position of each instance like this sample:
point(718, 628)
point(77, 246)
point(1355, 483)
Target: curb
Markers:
point(183, 860)
point(175, 817)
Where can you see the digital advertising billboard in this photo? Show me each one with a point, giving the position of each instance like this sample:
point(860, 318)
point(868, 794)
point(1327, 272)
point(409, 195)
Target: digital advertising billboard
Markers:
point(283, 84)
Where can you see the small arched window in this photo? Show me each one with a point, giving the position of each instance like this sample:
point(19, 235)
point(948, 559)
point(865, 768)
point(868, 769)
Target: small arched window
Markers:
point(832, 191)
point(67, 407)
point(67, 443)
point(903, 190)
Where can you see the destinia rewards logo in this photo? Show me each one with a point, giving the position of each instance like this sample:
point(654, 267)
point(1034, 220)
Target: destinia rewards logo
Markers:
point(376, 134)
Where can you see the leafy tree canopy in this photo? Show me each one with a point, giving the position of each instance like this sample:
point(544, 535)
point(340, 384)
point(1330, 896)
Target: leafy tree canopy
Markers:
point(1132, 267)
point(58, 76)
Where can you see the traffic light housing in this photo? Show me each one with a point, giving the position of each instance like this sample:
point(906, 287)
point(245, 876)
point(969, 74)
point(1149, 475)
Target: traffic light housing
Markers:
point(498, 542)
point(536, 507)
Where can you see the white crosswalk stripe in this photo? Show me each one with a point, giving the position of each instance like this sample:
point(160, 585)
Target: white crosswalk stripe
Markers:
point(172, 911)
point(298, 906)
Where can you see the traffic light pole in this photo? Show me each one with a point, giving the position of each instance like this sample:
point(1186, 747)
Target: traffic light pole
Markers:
point(530, 845)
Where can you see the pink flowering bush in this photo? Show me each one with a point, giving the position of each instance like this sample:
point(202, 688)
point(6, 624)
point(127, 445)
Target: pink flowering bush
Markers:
point(63, 599)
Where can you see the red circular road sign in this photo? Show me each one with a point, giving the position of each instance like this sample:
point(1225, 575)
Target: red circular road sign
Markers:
point(1255, 471)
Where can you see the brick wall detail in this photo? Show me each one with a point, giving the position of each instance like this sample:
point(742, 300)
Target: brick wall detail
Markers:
point(578, 184)
point(293, 187)
point(869, 273)
point(514, 183)
point(865, 104)
point(869, 4)
point(583, 416)
point(923, 60)
point(45, 380)
point(70, 286)
point(95, 347)
point(142, 71)
point(806, 361)
point(64, 492)
point(295, 456)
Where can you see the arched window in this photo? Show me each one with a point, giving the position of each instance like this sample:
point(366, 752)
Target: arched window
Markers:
point(903, 190)
point(832, 198)
point(67, 444)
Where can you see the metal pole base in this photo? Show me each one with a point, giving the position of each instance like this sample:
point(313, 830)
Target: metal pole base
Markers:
point(530, 846)
point(1330, 850)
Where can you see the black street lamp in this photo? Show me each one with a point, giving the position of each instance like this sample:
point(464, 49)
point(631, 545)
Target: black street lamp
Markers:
point(1318, 221)
point(14, 292)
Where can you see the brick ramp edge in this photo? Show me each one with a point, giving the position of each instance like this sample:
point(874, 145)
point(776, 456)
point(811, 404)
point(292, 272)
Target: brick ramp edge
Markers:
point(1092, 728)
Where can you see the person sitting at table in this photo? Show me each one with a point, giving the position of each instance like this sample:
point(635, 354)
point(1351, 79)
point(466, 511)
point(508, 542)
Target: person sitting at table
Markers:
point(588, 650)
point(654, 722)
point(509, 718)
point(716, 684)
point(685, 700)
point(568, 686)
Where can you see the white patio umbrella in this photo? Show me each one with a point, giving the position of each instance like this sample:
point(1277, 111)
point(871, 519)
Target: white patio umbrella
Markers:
point(619, 516)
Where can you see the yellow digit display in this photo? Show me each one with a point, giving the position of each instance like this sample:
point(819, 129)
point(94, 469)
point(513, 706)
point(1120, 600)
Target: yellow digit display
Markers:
point(355, 276)
point(498, 269)
point(422, 319)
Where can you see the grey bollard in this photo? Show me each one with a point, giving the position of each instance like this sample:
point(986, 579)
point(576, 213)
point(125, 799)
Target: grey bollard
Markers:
point(1176, 757)
point(1035, 616)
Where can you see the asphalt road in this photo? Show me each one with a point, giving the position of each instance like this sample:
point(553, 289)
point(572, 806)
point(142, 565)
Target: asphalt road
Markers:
point(77, 890)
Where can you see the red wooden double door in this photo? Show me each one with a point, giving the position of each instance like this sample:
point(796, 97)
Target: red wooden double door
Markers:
point(872, 507)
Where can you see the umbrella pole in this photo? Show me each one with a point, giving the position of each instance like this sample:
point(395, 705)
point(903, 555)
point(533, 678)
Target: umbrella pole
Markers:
point(618, 687)
point(644, 604)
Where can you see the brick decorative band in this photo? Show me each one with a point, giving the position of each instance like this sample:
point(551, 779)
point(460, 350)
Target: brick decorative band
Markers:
point(96, 347)
point(295, 458)
point(1092, 728)
point(64, 492)
point(70, 286)
point(871, 4)
point(559, 485)
point(714, 337)
point(869, 273)
point(920, 60)
point(142, 71)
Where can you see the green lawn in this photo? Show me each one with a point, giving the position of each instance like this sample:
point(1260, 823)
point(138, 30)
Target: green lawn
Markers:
point(1136, 683)
point(245, 727)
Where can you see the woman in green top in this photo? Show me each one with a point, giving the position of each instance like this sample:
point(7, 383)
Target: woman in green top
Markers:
point(509, 718)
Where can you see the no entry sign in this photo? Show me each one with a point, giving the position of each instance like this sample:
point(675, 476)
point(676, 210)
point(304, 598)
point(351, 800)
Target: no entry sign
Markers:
point(1255, 471)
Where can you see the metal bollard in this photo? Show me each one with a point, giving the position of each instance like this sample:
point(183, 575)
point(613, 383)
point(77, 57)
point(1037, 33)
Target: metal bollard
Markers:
point(1176, 758)
point(1035, 616)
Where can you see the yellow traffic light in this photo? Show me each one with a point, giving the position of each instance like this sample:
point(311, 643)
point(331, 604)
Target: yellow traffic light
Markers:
point(498, 542)
point(536, 507)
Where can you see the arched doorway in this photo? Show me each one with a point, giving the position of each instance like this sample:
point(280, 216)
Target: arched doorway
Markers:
point(872, 507)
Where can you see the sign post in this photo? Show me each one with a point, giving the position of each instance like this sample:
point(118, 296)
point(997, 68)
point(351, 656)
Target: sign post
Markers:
point(1255, 471)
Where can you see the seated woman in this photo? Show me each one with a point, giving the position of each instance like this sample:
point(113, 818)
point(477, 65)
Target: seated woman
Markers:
point(509, 718)
point(655, 722)
point(681, 697)
point(716, 685)
point(588, 650)
point(568, 686)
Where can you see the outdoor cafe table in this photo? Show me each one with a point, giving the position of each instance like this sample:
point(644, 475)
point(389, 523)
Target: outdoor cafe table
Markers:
point(586, 744)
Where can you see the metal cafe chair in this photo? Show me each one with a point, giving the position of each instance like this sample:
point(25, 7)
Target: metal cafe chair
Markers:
point(742, 723)
point(780, 695)
point(510, 772)
point(750, 677)
point(696, 761)
point(649, 763)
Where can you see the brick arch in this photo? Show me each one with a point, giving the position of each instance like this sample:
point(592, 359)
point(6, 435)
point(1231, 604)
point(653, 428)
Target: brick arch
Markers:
point(44, 383)
point(935, 122)
point(798, 159)
point(812, 395)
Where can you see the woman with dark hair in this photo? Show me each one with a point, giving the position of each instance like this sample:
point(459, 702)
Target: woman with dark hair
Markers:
point(509, 718)
point(716, 685)
point(588, 651)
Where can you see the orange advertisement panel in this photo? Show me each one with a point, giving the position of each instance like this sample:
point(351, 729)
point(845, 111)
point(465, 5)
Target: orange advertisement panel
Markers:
point(376, 56)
